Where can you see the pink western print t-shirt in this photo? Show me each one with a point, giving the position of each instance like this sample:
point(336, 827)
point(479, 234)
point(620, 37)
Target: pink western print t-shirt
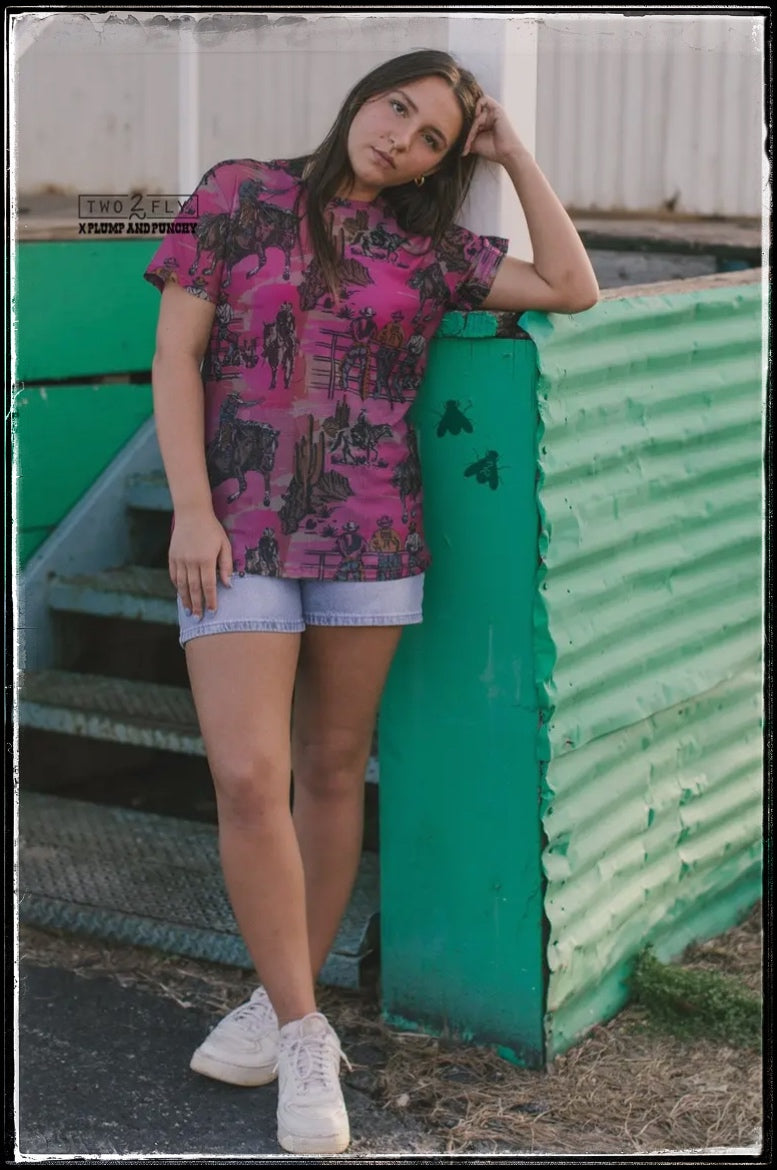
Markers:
point(312, 462)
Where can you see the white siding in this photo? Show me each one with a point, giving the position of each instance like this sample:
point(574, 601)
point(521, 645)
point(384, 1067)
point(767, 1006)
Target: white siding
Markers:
point(632, 113)
point(643, 113)
point(120, 103)
point(98, 101)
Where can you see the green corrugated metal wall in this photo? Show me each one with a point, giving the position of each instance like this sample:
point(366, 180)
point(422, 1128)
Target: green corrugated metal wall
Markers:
point(647, 627)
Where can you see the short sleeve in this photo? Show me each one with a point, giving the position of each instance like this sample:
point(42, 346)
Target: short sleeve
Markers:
point(195, 243)
point(471, 263)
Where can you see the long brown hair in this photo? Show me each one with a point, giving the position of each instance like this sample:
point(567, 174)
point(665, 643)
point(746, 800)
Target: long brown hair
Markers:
point(428, 210)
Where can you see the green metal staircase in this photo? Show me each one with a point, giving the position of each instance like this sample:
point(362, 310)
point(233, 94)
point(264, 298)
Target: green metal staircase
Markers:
point(100, 867)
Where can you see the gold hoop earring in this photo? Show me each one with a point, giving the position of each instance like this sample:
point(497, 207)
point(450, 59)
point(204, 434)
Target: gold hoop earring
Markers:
point(419, 182)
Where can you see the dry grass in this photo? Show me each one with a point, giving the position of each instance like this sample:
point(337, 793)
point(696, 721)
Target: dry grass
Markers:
point(626, 1089)
point(738, 953)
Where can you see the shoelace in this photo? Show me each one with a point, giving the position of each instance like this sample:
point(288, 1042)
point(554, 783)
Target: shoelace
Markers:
point(255, 1016)
point(312, 1060)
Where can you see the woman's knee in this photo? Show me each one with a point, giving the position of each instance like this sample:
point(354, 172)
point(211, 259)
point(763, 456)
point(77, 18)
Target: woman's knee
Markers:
point(332, 768)
point(251, 788)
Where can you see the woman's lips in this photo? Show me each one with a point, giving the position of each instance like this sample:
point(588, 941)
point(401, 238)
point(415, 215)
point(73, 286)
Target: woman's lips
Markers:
point(385, 159)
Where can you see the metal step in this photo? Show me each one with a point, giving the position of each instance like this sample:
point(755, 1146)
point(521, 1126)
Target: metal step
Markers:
point(150, 880)
point(118, 710)
point(149, 492)
point(115, 709)
point(132, 592)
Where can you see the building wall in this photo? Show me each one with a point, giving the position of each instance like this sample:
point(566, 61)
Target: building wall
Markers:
point(637, 113)
point(653, 113)
point(647, 629)
point(82, 360)
point(126, 103)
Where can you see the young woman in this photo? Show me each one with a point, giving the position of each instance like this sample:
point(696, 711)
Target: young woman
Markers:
point(292, 339)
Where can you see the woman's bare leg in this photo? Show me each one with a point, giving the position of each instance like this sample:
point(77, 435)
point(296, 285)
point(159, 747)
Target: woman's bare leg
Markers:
point(341, 674)
point(242, 685)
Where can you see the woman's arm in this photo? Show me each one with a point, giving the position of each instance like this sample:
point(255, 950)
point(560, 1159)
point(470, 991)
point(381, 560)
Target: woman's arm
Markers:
point(560, 278)
point(199, 544)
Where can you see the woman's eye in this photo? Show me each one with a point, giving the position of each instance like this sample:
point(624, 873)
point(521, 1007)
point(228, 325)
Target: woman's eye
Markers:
point(398, 106)
point(432, 141)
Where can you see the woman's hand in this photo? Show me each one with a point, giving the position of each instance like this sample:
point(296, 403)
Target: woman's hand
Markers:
point(199, 549)
point(492, 135)
point(560, 277)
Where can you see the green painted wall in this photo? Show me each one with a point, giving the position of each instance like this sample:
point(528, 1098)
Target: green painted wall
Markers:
point(65, 436)
point(81, 310)
point(648, 620)
point(461, 882)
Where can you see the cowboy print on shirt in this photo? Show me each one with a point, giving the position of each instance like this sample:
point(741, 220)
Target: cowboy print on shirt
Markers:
point(312, 463)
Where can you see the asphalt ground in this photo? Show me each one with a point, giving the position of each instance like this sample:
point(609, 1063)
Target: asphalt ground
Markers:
point(106, 1032)
point(103, 1069)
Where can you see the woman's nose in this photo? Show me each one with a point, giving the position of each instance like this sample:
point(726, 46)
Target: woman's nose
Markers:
point(400, 138)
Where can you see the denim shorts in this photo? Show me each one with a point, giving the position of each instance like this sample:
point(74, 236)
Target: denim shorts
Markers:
point(286, 605)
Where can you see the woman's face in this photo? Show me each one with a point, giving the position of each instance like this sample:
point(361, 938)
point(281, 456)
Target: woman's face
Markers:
point(402, 134)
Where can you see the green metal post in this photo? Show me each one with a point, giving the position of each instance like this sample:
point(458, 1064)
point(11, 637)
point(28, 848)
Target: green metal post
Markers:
point(461, 885)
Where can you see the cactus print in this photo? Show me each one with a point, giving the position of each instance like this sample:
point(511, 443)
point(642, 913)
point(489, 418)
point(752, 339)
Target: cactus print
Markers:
point(312, 463)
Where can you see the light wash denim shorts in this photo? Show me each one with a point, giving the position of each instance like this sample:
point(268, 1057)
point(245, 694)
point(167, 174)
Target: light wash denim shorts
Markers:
point(286, 605)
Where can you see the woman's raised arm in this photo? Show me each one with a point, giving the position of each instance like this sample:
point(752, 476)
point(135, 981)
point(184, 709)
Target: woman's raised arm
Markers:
point(560, 277)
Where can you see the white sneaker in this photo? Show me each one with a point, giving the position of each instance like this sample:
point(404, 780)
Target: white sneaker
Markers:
point(243, 1048)
point(312, 1118)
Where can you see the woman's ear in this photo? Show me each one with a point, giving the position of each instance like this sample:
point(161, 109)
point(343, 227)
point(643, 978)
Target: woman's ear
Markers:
point(440, 166)
point(433, 170)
